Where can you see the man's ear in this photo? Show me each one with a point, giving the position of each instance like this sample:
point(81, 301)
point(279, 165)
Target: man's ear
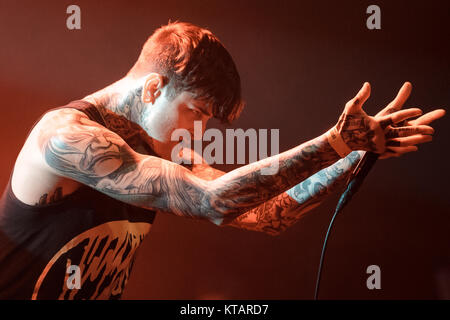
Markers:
point(153, 85)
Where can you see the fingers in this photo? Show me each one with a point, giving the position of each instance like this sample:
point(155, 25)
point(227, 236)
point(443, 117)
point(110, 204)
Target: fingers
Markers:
point(399, 132)
point(402, 96)
point(398, 101)
point(428, 117)
point(409, 141)
point(398, 116)
point(354, 105)
point(363, 94)
point(405, 114)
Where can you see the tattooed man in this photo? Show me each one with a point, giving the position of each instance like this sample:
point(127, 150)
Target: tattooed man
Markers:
point(92, 174)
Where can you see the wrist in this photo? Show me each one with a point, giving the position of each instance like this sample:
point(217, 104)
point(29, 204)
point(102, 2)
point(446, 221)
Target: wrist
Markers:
point(337, 143)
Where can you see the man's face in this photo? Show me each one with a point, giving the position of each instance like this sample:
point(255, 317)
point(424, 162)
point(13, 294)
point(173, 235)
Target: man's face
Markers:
point(166, 114)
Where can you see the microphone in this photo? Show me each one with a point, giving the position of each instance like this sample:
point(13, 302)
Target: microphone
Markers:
point(356, 178)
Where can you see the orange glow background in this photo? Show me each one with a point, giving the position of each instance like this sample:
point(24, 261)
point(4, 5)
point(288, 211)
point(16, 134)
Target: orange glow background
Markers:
point(299, 65)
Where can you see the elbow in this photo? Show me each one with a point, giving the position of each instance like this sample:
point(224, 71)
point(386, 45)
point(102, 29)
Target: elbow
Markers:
point(219, 211)
point(218, 221)
point(215, 215)
point(221, 218)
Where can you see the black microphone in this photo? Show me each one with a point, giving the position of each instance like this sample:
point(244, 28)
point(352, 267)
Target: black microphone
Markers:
point(356, 178)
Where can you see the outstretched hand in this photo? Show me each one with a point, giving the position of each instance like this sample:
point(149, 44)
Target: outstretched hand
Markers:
point(381, 133)
point(397, 146)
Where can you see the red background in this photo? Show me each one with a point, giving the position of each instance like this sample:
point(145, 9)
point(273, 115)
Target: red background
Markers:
point(299, 64)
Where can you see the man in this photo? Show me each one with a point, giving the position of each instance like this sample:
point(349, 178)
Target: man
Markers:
point(92, 174)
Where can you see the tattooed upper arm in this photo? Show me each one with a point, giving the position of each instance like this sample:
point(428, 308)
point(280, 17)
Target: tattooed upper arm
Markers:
point(76, 147)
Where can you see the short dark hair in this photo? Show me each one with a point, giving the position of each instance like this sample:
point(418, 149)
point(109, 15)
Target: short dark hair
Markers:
point(192, 59)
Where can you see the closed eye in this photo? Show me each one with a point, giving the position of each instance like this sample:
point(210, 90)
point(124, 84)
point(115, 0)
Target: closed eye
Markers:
point(196, 112)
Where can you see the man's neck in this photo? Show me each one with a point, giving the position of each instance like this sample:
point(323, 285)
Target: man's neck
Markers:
point(119, 98)
point(121, 108)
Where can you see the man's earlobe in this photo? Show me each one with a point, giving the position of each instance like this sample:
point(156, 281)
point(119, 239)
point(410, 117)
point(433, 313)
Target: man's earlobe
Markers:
point(152, 88)
point(147, 96)
point(150, 97)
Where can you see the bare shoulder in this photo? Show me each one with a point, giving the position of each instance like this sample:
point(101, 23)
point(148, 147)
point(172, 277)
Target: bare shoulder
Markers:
point(49, 124)
point(31, 181)
point(55, 120)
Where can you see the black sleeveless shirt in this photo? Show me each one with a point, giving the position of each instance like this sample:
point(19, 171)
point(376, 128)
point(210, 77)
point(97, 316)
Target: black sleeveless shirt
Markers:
point(81, 247)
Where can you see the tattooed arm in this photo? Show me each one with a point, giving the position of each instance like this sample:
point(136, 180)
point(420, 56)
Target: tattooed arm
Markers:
point(75, 147)
point(277, 214)
point(282, 211)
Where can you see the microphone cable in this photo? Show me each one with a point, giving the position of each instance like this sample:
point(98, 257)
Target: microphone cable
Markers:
point(353, 183)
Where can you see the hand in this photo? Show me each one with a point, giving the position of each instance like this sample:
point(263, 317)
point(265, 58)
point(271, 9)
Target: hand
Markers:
point(399, 146)
point(363, 132)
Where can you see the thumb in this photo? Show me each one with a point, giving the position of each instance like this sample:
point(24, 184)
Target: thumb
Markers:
point(355, 105)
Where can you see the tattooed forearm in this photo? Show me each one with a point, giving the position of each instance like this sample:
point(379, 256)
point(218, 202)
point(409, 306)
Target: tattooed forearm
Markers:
point(326, 180)
point(245, 188)
point(281, 212)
